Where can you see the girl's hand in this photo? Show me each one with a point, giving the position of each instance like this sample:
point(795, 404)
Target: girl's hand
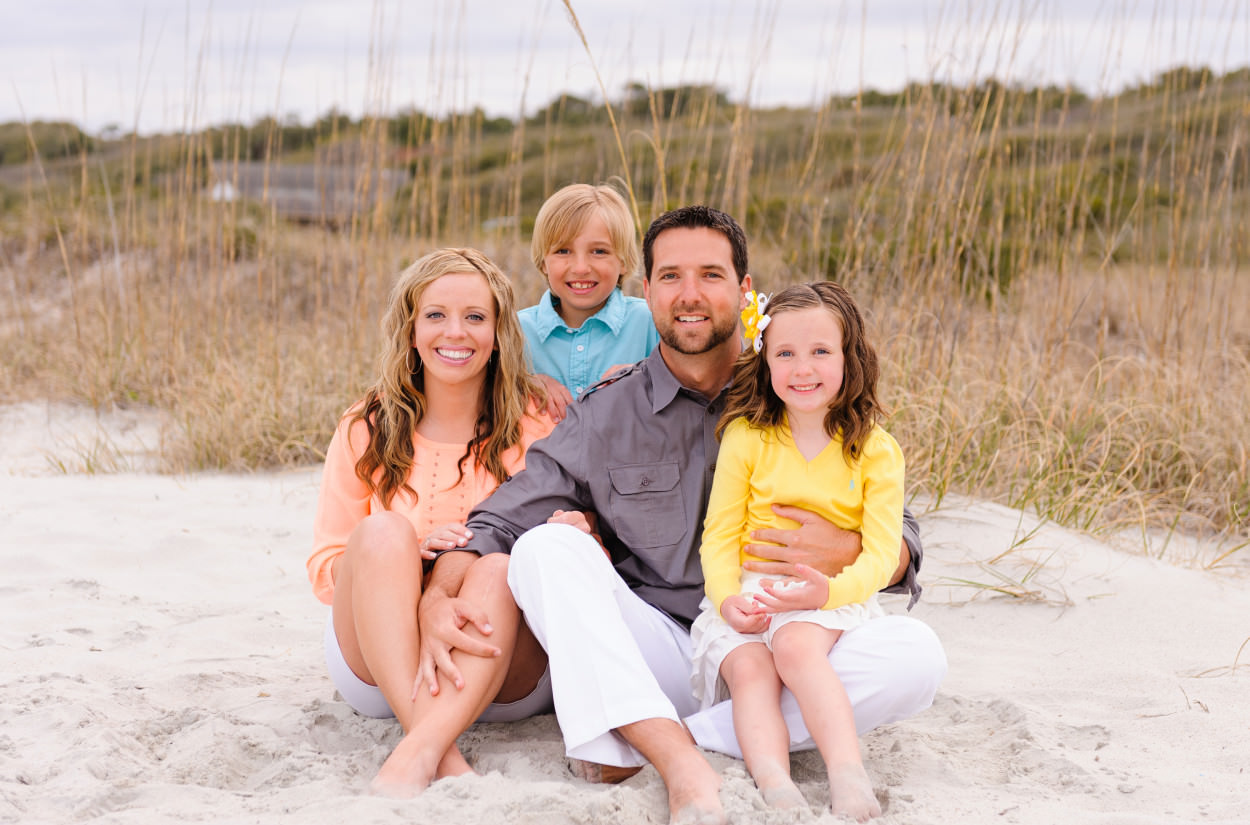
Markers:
point(807, 590)
point(558, 397)
point(445, 537)
point(744, 615)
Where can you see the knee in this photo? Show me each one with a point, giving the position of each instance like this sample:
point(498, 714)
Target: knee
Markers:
point(548, 544)
point(380, 537)
point(918, 661)
point(744, 666)
point(489, 572)
point(793, 654)
point(928, 666)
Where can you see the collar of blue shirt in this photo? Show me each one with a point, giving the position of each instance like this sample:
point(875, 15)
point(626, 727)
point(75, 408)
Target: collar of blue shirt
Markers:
point(611, 315)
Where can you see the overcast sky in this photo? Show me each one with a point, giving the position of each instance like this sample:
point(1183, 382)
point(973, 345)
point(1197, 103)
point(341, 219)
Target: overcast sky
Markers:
point(165, 65)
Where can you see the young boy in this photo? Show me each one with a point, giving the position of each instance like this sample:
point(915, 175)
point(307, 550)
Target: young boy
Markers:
point(584, 328)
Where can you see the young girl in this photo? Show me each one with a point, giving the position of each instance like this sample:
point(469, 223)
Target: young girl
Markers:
point(584, 328)
point(448, 418)
point(801, 427)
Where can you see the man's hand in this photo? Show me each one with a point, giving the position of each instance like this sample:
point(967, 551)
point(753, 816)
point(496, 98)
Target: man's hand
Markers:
point(816, 542)
point(558, 397)
point(744, 615)
point(442, 620)
point(810, 591)
point(574, 518)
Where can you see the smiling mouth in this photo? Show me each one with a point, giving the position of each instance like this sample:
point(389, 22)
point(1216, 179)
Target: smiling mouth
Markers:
point(691, 319)
point(803, 387)
point(455, 354)
point(582, 286)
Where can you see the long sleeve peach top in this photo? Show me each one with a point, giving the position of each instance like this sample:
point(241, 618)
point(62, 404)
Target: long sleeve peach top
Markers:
point(345, 500)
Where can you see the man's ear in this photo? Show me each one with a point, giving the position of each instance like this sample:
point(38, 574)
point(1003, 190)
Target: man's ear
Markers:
point(743, 289)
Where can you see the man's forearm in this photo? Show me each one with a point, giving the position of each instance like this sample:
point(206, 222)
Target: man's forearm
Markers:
point(449, 571)
point(904, 562)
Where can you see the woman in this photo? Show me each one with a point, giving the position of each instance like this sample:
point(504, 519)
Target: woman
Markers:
point(448, 419)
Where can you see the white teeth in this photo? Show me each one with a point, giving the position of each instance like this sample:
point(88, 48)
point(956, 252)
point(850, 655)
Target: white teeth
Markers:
point(689, 319)
point(805, 387)
point(455, 354)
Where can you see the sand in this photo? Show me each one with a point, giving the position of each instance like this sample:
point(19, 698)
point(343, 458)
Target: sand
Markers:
point(161, 662)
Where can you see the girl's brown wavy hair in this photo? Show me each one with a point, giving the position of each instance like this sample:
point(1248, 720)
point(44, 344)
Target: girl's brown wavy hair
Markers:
point(396, 402)
point(853, 411)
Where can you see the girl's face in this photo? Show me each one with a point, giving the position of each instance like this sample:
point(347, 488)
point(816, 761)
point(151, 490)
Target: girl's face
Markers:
point(583, 272)
point(804, 356)
point(454, 331)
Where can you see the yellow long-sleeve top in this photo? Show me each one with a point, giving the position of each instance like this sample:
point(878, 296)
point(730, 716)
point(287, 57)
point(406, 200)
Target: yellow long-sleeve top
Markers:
point(345, 500)
point(757, 468)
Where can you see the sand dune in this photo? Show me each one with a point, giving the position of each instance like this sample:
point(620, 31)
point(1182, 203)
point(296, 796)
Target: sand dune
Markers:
point(162, 663)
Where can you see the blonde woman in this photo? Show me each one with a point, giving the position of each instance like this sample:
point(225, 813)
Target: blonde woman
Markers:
point(448, 419)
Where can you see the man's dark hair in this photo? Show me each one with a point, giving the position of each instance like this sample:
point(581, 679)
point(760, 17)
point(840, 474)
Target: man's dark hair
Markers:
point(698, 217)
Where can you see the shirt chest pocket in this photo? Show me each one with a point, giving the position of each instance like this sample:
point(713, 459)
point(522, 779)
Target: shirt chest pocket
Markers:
point(648, 509)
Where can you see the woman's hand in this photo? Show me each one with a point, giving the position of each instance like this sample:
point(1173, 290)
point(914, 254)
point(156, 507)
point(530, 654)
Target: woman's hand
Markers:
point(807, 590)
point(444, 537)
point(442, 620)
point(558, 397)
point(744, 615)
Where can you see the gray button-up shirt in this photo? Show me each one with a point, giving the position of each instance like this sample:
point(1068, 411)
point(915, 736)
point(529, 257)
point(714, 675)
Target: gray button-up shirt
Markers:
point(640, 452)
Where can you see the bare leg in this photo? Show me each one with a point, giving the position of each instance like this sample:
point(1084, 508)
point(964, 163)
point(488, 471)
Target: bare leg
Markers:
point(801, 653)
point(377, 589)
point(693, 786)
point(756, 691)
point(439, 719)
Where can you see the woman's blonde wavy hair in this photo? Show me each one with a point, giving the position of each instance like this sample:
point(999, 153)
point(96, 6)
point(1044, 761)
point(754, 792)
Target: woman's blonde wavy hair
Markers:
point(853, 411)
point(396, 402)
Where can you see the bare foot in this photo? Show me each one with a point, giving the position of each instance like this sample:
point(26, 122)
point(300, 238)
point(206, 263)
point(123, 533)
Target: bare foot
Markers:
point(453, 763)
point(693, 794)
point(601, 774)
point(851, 790)
point(408, 771)
point(785, 797)
point(776, 786)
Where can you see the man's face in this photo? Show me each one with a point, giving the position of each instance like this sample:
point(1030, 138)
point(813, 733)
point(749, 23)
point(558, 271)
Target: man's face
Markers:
point(693, 292)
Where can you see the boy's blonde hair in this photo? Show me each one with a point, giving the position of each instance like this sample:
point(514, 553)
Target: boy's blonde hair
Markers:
point(566, 213)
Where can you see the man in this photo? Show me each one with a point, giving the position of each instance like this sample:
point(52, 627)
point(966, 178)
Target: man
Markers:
point(640, 453)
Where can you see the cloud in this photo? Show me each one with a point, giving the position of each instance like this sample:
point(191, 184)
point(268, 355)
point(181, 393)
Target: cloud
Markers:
point(169, 65)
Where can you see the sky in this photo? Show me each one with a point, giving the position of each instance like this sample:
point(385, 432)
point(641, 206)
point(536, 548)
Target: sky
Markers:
point(169, 65)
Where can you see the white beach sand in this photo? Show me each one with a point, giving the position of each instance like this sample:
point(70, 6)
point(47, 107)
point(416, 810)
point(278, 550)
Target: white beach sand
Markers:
point(161, 662)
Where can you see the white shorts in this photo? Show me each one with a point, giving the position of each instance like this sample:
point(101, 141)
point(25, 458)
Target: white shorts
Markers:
point(712, 639)
point(367, 699)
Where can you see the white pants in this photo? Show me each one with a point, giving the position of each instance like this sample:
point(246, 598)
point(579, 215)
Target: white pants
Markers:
point(616, 659)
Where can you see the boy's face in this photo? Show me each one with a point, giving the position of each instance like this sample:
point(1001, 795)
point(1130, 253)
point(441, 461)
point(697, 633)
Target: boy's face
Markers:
point(583, 272)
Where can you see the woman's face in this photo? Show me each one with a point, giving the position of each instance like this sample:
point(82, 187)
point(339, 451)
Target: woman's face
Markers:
point(454, 331)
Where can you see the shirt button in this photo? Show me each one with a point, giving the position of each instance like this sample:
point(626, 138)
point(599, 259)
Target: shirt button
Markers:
point(580, 347)
point(577, 389)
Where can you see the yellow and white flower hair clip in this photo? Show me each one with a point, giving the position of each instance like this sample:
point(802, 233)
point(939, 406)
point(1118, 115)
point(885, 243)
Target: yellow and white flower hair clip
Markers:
point(754, 321)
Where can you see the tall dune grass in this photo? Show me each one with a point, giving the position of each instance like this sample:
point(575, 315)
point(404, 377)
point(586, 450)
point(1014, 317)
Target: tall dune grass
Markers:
point(1058, 284)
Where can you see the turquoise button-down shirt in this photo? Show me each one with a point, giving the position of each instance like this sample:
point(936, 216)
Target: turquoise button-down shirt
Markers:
point(622, 332)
